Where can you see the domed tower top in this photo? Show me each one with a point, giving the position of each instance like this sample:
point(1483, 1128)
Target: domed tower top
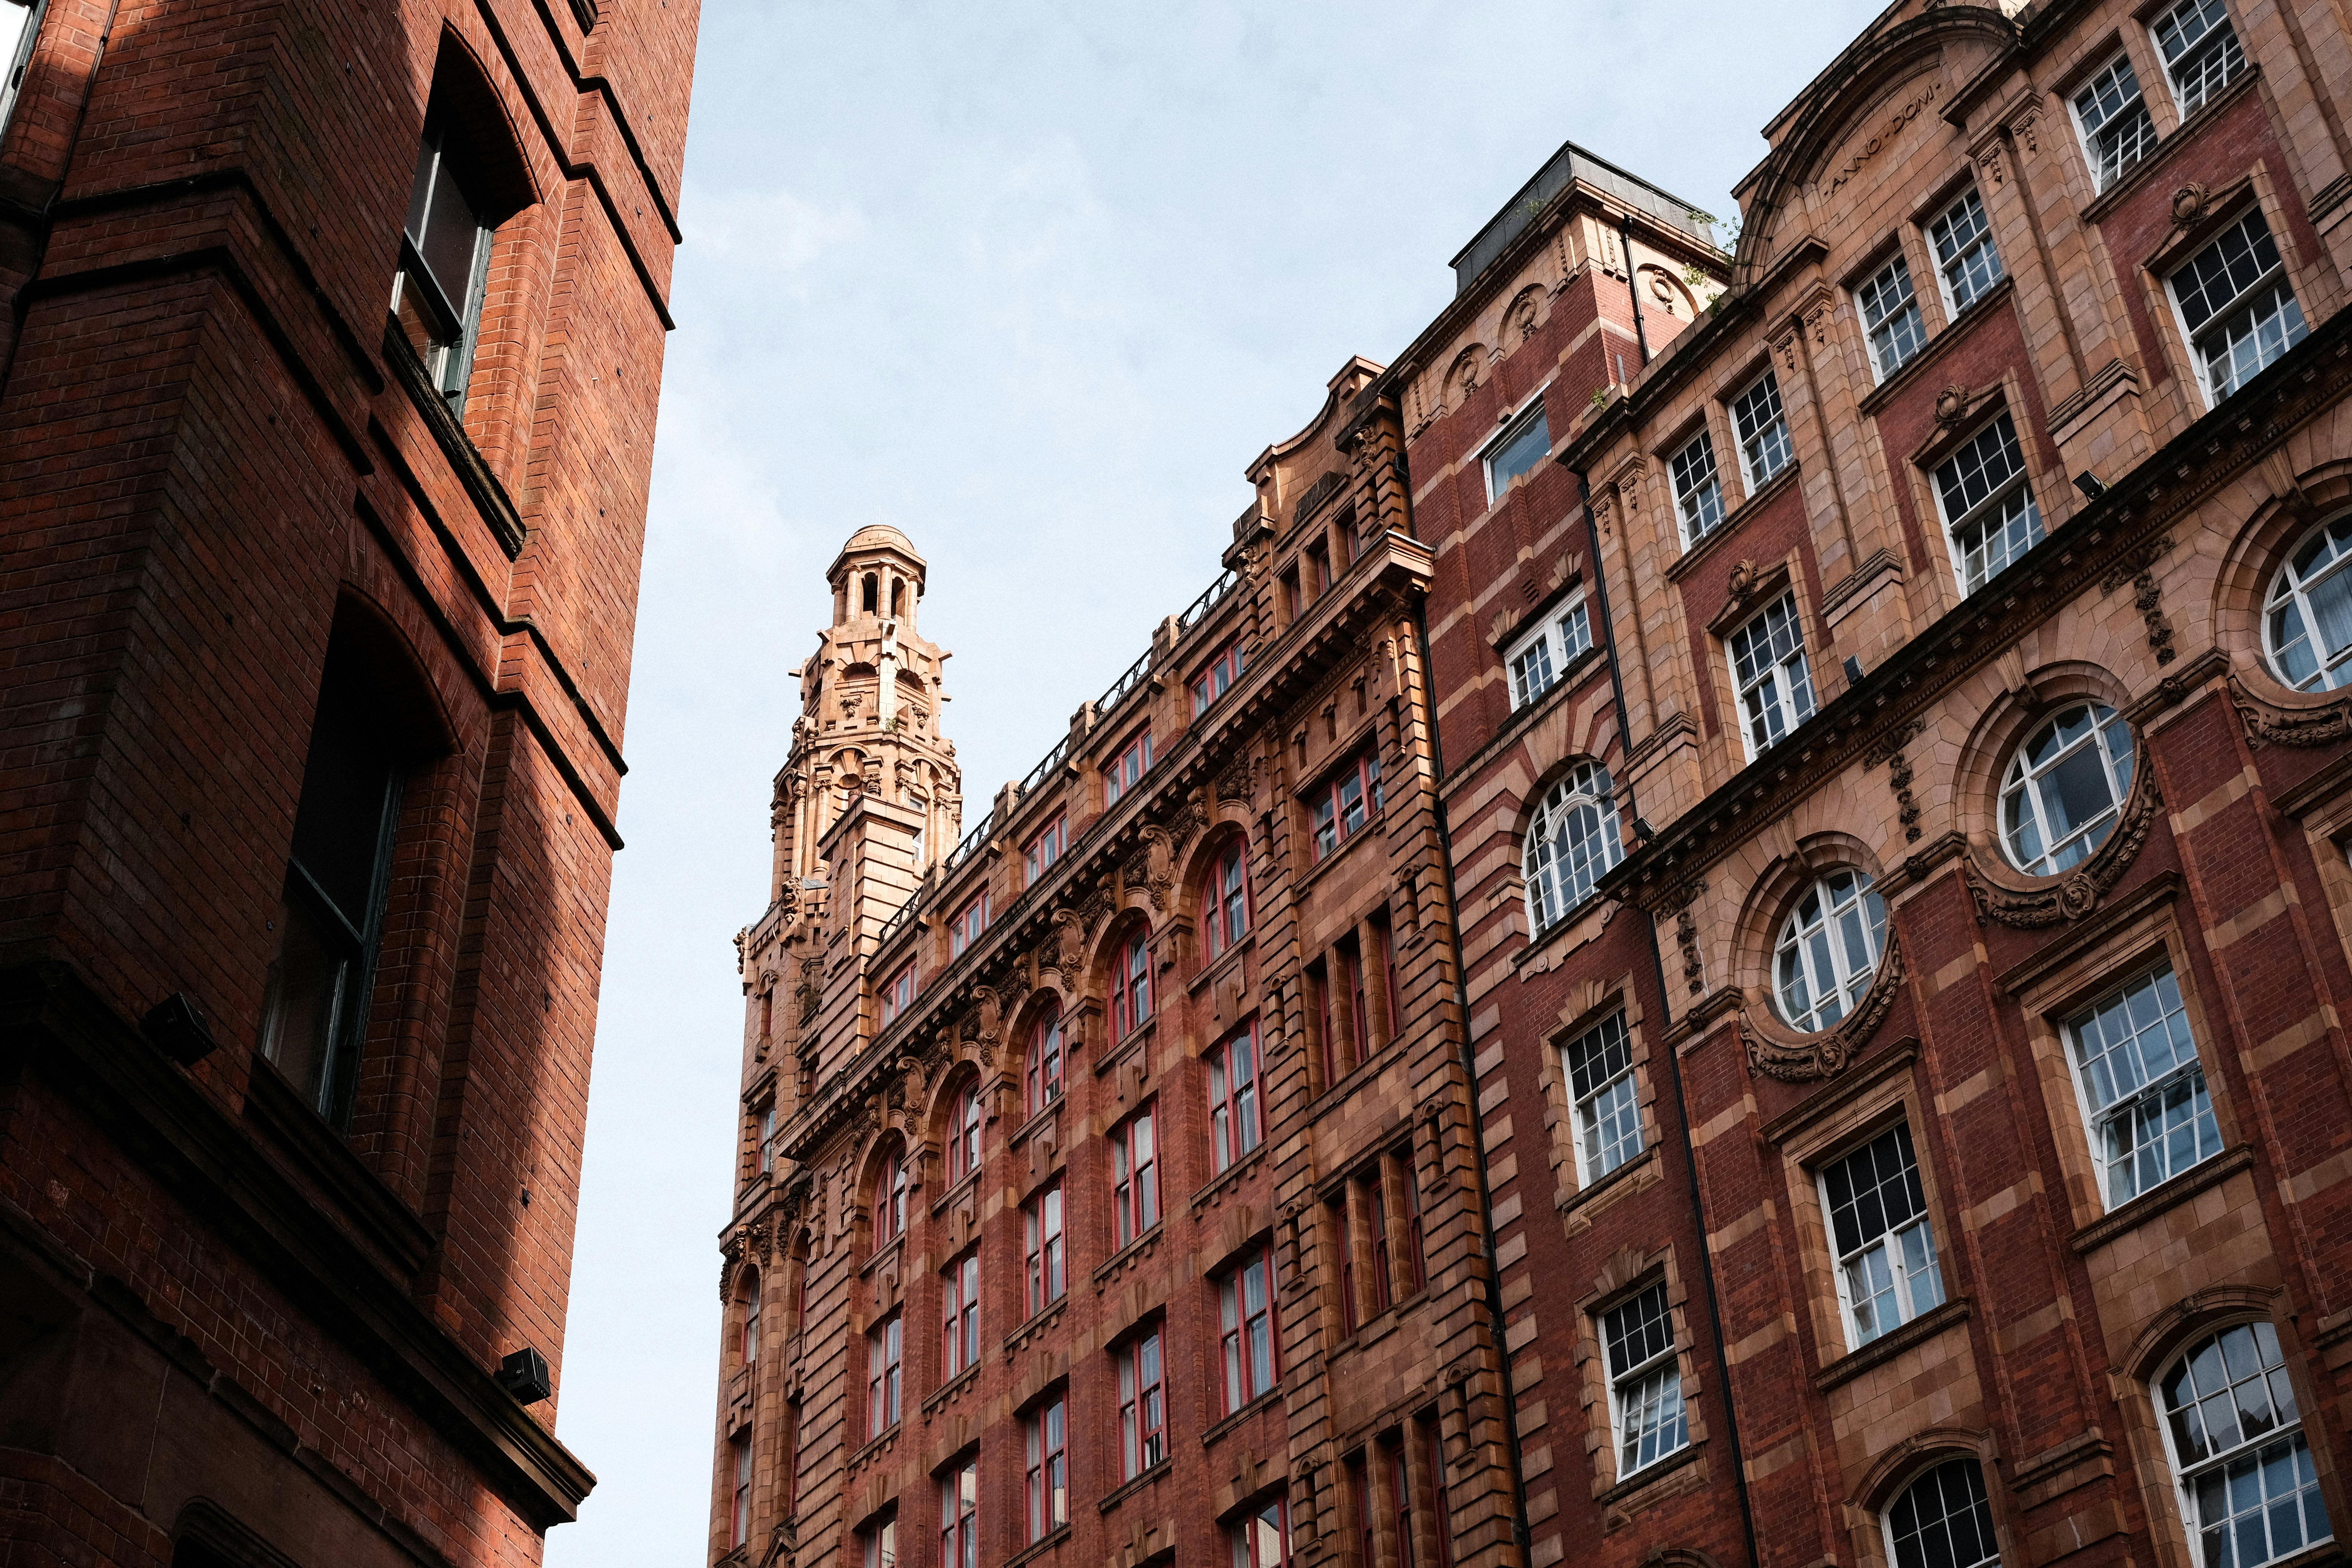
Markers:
point(877, 574)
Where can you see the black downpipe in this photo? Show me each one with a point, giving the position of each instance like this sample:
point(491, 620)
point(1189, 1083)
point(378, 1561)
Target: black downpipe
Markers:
point(1521, 1534)
point(1674, 1059)
point(1632, 292)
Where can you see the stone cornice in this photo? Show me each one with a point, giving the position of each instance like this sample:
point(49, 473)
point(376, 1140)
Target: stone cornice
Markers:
point(2070, 563)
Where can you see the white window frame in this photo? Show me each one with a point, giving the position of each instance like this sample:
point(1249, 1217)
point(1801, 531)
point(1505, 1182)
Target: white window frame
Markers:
point(2291, 588)
point(1562, 635)
point(2097, 1117)
point(1983, 1500)
point(1946, 265)
point(1586, 784)
point(2228, 45)
point(20, 59)
point(1847, 984)
point(1693, 529)
point(2019, 482)
point(2086, 136)
point(1513, 428)
point(1663, 1367)
point(2020, 775)
point(1879, 370)
point(1595, 1156)
point(1910, 1301)
point(2276, 276)
point(2184, 1476)
point(1793, 701)
point(1753, 477)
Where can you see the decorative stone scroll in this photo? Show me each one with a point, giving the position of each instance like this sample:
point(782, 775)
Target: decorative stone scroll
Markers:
point(1889, 749)
point(2138, 568)
point(2267, 724)
point(1828, 1055)
point(1233, 780)
point(2083, 887)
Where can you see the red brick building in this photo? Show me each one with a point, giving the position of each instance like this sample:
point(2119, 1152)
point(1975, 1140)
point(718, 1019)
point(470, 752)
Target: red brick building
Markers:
point(329, 362)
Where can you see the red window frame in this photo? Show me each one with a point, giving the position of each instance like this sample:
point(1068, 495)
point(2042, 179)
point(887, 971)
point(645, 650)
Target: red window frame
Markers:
point(1142, 1405)
point(1044, 1249)
point(767, 1138)
point(959, 1515)
point(1416, 1260)
point(1228, 898)
point(1360, 1483)
point(1241, 1329)
point(898, 993)
point(1338, 807)
point(1402, 1501)
point(1045, 848)
point(1135, 1174)
point(750, 1347)
point(792, 1466)
point(1131, 986)
point(885, 1361)
point(1042, 1077)
point(1376, 1206)
point(1345, 1244)
point(1218, 675)
point(1045, 1455)
point(963, 1133)
point(1236, 1122)
point(891, 1195)
point(1359, 1019)
point(960, 1326)
point(1440, 1516)
point(1131, 761)
point(1246, 1535)
point(969, 922)
point(741, 1444)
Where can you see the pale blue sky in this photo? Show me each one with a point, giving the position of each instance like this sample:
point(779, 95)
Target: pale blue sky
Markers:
point(1033, 282)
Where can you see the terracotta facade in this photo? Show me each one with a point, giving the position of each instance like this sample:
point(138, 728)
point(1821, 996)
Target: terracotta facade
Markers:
point(318, 645)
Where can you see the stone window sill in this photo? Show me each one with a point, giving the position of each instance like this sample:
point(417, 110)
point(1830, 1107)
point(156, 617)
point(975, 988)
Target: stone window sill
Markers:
point(1045, 1543)
point(1239, 1417)
point(2197, 1179)
point(1121, 1493)
point(1232, 1173)
point(1651, 1473)
point(1889, 1345)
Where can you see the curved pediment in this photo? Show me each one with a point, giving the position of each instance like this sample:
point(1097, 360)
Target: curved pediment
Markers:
point(1876, 105)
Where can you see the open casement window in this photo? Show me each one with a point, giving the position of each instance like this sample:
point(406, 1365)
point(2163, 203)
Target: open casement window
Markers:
point(1046, 1467)
point(1044, 1255)
point(2201, 55)
point(1698, 488)
point(1042, 1075)
point(960, 1514)
point(1233, 1129)
point(445, 260)
point(1134, 1177)
point(2237, 307)
point(1828, 949)
point(1537, 658)
point(885, 1359)
point(878, 1547)
point(960, 1315)
point(20, 24)
point(1120, 773)
point(1599, 1064)
point(1966, 256)
point(337, 880)
point(2308, 621)
point(1572, 841)
point(1039, 854)
point(2241, 1466)
point(1646, 1384)
point(1776, 691)
point(1143, 1406)
point(2112, 121)
point(1341, 805)
point(1523, 443)
point(1890, 316)
point(1885, 1245)
point(963, 1132)
point(969, 922)
point(897, 994)
point(1131, 986)
point(1942, 1520)
point(1245, 1329)
point(1225, 899)
point(1987, 502)
point(2065, 788)
point(1763, 432)
point(1261, 1538)
point(2150, 1115)
point(1218, 675)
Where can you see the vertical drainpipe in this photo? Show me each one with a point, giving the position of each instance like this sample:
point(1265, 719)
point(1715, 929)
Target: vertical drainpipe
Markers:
point(1674, 1059)
point(1641, 337)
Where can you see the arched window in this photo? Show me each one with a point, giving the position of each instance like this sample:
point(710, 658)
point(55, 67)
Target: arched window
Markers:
point(870, 593)
point(1828, 949)
point(2248, 1491)
point(897, 597)
point(1571, 843)
point(1043, 1077)
point(2308, 620)
point(963, 1133)
point(891, 1195)
point(1130, 987)
point(750, 1343)
point(797, 1260)
point(1942, 1520)
point(1227, 899)
point(2064, 790)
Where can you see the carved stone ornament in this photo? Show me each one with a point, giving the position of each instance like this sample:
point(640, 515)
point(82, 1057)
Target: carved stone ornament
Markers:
point(740, 937)
point(1951, 406)
point(1828, 1055)
point(1744, 578)
point(1233, 779)
point(728, 1256)
point(2080, 893)
point(1095, 907)
point(2137, 567)
point(810, 993)
point(1189, 819)
point(2267, 724)
point(2188, 204)
point(1068, 943)
point(1158, 866)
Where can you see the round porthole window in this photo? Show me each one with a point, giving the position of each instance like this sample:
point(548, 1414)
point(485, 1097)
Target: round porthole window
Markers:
point(2065, 788)
point(1828, 949)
